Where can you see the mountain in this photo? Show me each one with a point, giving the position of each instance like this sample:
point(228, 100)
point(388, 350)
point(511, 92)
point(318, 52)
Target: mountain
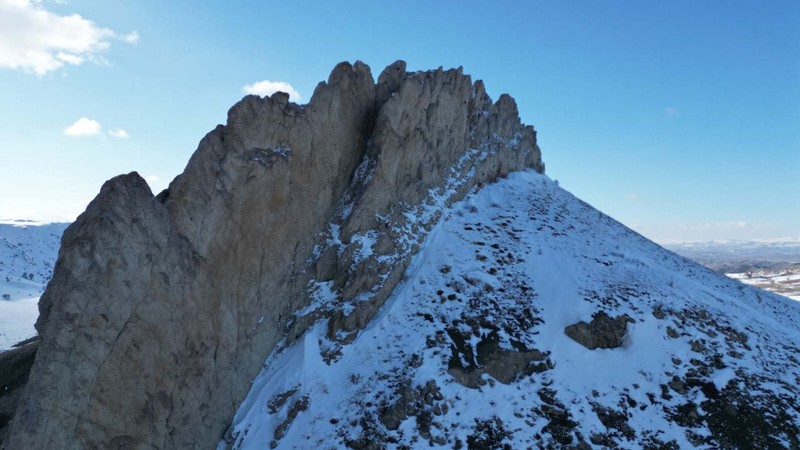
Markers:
point(531, 320)
point(742, 256)
point(388, 266)
point(28, 251)
point(192, 289)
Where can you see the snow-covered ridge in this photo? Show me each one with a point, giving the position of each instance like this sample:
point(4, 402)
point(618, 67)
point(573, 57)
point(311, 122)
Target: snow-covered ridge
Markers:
point(706, 362)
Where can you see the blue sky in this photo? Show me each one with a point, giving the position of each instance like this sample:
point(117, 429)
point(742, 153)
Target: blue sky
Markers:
point(680, 119)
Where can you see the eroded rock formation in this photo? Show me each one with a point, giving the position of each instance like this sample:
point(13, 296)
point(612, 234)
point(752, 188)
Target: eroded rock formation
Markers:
point(163, 308)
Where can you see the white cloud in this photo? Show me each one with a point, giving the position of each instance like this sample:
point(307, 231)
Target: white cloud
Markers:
point(633, 196)
point(83, 127)
point(730, 230)
point(267, 87)
point(152, 178)
point(130, 38)
point(36, 40)
point(119, 133)
point(733, 224)
point(69, 58)
point(671, 111)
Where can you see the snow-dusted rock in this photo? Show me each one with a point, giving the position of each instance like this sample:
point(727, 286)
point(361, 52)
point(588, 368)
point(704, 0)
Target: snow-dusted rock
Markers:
point(163, 309)
point(356, 272)
point(705, 362)
point(602, 332)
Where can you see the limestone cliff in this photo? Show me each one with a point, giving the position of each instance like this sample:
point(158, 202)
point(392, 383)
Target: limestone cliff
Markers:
point(162, 309)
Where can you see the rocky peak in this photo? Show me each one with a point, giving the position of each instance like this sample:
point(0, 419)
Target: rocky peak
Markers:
point(163, 309)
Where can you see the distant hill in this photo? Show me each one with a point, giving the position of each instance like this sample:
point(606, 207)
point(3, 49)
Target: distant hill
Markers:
point(741, 256)
point(28, 251)
point(770, 265)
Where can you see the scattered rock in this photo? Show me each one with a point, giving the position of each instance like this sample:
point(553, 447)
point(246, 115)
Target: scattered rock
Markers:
point(421, 402)
point(504, 365)
point(677, 385)
point(614, 420)
point(279, 400)
point(297, 407)
point(489, 435)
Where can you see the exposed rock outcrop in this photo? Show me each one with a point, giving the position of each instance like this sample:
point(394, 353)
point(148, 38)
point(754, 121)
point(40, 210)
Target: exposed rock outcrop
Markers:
point(162, 309)
point(504, 365)
point(603, 331)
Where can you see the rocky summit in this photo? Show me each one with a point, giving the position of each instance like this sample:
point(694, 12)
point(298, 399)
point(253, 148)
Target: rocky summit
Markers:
point(388, 266)
point(162, 309)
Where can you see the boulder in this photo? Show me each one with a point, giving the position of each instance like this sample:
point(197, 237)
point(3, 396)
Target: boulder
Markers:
point(603, 331)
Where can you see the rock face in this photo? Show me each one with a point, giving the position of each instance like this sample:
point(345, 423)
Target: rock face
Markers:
point(15, 365)
point(602, 332)
point(162, 309)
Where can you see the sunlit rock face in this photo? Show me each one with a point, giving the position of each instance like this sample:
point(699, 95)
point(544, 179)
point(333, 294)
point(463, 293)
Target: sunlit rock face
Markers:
point(162, 309)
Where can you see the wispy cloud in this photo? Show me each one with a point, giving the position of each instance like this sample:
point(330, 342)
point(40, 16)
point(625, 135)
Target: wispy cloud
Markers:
point(83, 127)
point(38, 41)
point(633, 196)
point(267, 87)
point(119, 133)
point(130, 38)
point(671, 111)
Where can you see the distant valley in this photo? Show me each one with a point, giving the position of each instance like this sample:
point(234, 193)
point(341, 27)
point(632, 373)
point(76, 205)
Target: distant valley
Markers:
point(28, 252)
point(770, 265)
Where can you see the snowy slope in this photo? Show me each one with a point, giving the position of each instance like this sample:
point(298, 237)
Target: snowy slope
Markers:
point(28, 251)
point(470, 351)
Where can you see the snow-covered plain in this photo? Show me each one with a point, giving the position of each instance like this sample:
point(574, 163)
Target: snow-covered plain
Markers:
point(705, 357)
point(28, 251)
point(784, 282)
point(16, 321)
